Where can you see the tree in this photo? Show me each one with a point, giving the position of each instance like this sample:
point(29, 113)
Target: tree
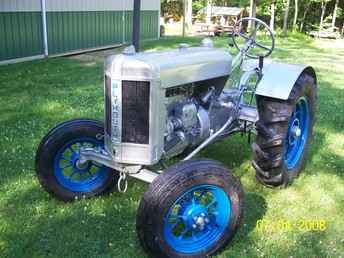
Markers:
point(188, 19)
point(253, 13)
point(296, 13)
point(341, 14)
point(305, 12)
point(323, 11)
point(208, 20)
point(172, 8)
point(272, 16)
point(334, 17)
point(285, 19)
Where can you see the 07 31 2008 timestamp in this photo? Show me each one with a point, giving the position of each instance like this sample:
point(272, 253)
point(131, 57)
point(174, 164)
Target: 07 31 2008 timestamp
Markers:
point(304, 225)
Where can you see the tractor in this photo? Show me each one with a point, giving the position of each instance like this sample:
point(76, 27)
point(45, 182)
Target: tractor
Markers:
point(168, 106)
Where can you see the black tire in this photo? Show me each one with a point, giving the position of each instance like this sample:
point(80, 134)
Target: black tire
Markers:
point(166, 189)
point(272, 128)
point(50, 146)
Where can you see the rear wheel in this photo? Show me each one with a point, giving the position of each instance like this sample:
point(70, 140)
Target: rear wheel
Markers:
point(57, 161)
point(192, 210)
point(285, 131)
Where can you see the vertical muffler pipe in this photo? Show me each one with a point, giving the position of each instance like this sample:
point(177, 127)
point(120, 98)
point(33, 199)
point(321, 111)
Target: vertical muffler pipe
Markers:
point(136, 24)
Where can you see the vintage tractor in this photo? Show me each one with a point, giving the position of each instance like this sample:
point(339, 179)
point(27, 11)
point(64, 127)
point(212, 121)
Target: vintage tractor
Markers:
point(160, 105)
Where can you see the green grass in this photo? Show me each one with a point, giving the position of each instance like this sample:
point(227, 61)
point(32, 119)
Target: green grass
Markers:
point(36, 96)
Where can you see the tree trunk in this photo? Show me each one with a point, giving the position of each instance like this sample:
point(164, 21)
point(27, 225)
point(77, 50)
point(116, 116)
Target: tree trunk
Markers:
point(189, 14)
point(272, 17)
point(296, 13)
point(253, 12)
point(334, 17)
point(184, 18)
point(285, 19)
point(208, 19)
point(323, 10)
point(304, 16)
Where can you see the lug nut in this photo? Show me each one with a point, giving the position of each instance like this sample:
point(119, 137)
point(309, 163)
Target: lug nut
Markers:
point(194, 226)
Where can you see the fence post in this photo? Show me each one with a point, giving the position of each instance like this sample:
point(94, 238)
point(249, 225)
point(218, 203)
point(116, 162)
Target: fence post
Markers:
point(44, 27)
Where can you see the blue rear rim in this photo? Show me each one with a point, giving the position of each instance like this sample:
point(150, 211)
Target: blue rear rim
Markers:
point(197, 219)
point(298, 130)
point(76, 177)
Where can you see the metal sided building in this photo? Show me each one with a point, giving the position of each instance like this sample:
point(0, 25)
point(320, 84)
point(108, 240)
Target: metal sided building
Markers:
point(32, 29)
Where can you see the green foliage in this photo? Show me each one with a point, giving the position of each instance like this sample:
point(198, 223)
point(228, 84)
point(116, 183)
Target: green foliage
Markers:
point(172, 9)
point(264, 10)
point(197, 6)
point(35, 96)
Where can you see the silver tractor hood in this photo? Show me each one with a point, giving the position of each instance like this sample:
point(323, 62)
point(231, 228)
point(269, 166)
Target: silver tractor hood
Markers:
point(176, 67)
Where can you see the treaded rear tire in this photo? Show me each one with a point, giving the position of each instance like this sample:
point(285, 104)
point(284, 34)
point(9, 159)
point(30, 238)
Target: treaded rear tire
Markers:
point(272, 128)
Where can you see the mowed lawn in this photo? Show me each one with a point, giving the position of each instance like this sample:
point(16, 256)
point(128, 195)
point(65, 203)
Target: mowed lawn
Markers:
point(36, 96)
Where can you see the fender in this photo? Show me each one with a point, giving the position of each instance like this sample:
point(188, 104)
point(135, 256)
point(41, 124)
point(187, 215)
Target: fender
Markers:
point(279, 79)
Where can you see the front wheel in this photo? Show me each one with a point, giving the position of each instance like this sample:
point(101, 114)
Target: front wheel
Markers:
point(57, 161)
point(192, 210)
point(285, 131)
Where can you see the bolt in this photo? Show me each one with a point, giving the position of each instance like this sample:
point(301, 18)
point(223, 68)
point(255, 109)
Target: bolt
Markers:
point(194, 226)
point(195, 218)
point(203, 214)
point(206, 220)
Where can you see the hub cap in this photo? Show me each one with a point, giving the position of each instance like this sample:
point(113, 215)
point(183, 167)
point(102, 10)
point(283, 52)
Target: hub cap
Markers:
point(297, 133)
point(75, 175)
point(197, 219)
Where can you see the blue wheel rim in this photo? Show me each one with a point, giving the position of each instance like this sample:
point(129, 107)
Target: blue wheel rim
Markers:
point(197, 219)
point(297, 135)
point(74, 176)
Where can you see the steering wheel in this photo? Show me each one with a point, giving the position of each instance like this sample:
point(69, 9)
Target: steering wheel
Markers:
point(251, 40)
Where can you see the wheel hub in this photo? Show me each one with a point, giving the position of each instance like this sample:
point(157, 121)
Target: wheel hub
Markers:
point(201, 221)
point(196, 217)
point(295, 132)
point(76, 174)
point(80, 165)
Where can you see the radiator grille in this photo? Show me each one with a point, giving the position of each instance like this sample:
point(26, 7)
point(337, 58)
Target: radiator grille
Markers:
point(108, 104)
point(135, 112)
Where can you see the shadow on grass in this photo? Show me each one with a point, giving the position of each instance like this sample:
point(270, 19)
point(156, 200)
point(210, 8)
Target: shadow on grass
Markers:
point(44, 227)
point(39, 226)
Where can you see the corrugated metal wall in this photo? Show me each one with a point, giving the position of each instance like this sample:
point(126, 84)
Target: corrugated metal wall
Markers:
point(71, 25)
point(70, 31)
point(20, 29)
point(149, 25)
